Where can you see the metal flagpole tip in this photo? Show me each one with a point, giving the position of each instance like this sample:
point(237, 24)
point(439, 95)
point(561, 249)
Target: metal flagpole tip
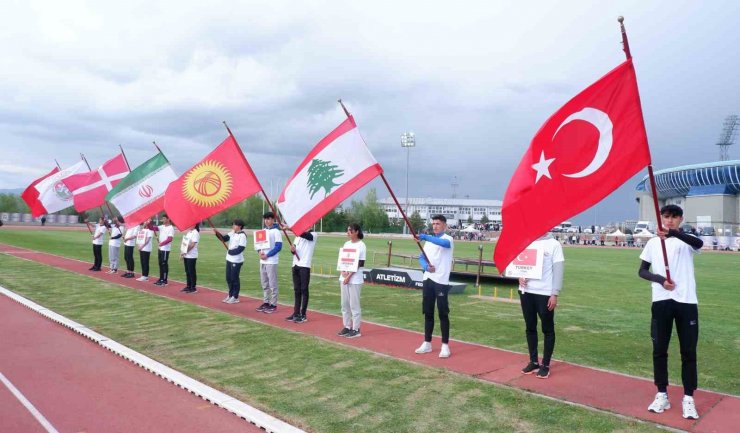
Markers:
point(620, 19)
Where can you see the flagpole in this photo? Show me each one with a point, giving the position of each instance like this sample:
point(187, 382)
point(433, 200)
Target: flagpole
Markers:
point(277, 217)
point(216, 231)
point(57, 163)
point(124, 157)
point(102, 212)
point(158, 149)
point(651, 176)
point(398, 205)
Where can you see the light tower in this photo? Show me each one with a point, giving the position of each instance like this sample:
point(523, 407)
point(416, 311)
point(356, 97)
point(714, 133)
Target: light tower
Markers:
point(408, 140)
point(727, 137)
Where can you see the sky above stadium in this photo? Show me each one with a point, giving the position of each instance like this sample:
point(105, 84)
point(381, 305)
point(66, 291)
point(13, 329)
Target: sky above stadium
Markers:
point(474, 81)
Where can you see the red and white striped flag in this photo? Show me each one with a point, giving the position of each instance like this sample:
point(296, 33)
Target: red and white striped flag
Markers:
point(89, 189)
point(336, 167)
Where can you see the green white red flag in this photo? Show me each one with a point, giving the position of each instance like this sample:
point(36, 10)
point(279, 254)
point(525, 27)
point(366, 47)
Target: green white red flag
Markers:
point(141, 194)
point(336, 168)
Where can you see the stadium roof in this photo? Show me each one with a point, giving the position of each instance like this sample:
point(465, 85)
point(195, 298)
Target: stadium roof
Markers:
point(722, 177)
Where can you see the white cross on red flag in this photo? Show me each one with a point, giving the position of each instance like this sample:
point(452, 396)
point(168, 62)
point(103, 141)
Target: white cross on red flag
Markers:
point(89, 189)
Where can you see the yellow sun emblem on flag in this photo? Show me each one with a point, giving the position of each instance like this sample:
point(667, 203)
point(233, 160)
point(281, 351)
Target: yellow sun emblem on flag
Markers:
point(207, 184)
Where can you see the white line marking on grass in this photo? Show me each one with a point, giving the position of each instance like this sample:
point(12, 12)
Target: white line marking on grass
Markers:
point(244, 411)
point(31, 408)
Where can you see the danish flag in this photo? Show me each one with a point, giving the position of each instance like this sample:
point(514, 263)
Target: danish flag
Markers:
point(89, 189)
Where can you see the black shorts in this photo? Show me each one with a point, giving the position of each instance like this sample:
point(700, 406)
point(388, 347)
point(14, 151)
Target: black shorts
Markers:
point(435, 292)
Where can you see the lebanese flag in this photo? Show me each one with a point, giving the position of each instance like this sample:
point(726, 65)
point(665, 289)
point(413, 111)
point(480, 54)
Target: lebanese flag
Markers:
point(89, 189)
point(220, 180)
point(31, 195)
point(141, 193)
point(53, 193)
point(583, 152)
point(336, 167)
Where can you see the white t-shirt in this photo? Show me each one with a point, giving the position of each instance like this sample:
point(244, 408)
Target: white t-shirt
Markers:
point(441, 259)
point(192, 236)
point(681, 265)
point(357, 277)
point(131, 232)
point(304, 249)
point(164, 233)
point(148, 239)
point(115, 231)
point(99, 230)
point(236, 240)
point(552, 253)
point(274, 236)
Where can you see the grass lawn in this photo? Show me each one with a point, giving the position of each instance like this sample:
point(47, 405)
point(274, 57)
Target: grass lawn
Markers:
point(602, 318)
point(314, 384)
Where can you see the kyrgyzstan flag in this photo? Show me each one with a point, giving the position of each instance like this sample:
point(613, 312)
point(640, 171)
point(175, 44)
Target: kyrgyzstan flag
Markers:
point(336, 167)
point(220, 180)
point(89, 189)
point(31, 195)
point(583, 152)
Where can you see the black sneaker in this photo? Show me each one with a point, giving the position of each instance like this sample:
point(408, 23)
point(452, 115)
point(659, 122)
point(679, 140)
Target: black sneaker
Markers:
point(291, 318)
point(158, 283)
point(544, 372)
point(532, 366)
point(270, 309)
point(263, 306)
point(300, 319)
point(185, 289)
point(353, 334)
point(192, 290)
point(344, 332)
point(92, 268)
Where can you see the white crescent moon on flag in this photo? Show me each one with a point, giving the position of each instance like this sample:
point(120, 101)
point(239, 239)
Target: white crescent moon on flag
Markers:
point(601, 121)
point(519, 257)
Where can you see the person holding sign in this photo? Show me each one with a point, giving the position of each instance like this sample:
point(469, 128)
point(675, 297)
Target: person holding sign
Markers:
point(114, 244)
point(438, 248)
point(351, 261)
point(98, 235)
point(302, 254)
point(269, 250)
point(538, 295)
point(129, 242)
point(166, 236)
point(189, 255)
point(674, 300)
point(144, 244)
point(237, 240)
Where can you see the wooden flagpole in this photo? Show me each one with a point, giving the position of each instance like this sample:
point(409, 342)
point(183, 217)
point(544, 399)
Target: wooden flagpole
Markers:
point(124, 157)
point(58, 166)
point(102, 212)
point(651, 176)
point(395, 200)
point(272, 208)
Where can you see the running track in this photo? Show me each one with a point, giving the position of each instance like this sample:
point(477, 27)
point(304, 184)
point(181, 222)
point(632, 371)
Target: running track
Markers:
point(603, 390)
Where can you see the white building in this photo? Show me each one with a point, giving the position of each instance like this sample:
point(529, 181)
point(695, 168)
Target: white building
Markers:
point(454, 209)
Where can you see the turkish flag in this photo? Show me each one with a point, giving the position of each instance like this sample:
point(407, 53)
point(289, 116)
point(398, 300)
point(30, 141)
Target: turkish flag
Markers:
point(583, 152)
point(220, 180)
point(527, 257)
point(89, 189)
point(31, 196)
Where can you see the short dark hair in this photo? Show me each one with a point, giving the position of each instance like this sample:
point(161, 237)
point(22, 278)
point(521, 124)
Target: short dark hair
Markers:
point(268, 215)
point(239, 222)
point(120, 219)
point(671, 210)
point(197, 227)
point(439, 217)
point(164, 215)
point(358, 229)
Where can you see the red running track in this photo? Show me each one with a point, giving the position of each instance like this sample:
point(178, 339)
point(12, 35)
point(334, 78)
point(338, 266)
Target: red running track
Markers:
point(604, 390)
point(80, 387)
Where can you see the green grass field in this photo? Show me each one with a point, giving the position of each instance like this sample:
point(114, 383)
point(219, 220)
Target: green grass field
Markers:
point(602, 321)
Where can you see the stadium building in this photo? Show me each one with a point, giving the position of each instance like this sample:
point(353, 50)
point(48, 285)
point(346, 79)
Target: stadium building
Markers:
point(708, 194)
point(456, 210)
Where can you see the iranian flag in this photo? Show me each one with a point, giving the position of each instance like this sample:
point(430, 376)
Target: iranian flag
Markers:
point(336, 167)
point(141, 194)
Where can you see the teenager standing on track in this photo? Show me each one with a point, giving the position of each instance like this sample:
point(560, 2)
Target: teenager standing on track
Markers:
point(439, 248)
point(98, 235)
point(189, 255)
point(303, 248)
point(269, 258)
point(351, 285)
point(540, 298)
point(166, 235)
point(237, 242)
point(144, 243)
point(129, 243)
point(114, 245)
point(673, 301)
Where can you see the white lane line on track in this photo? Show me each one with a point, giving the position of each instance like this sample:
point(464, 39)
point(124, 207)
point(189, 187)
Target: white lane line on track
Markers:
point(31, 408)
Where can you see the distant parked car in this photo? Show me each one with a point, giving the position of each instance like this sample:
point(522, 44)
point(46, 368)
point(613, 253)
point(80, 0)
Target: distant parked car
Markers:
point(707, 231)
point(557, 229)
point(688, 228)
point(571, 230)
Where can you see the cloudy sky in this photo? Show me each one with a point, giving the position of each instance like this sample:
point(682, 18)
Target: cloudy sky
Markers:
point(473, 80)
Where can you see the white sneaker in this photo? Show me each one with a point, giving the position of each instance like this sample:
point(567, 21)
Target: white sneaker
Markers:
point(142, 278)
point(425, 347)
point(234, 301)
point(660, 404)
point(227, 300)
point(445, 352)
point(689, 410)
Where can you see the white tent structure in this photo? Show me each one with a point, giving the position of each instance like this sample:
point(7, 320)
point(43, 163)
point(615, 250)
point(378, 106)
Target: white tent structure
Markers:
point(644, 234)
point(470, 229)
point(616, 234)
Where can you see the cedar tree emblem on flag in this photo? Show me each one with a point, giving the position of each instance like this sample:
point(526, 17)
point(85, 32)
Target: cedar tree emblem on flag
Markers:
point(207, 184)
point(321, 174)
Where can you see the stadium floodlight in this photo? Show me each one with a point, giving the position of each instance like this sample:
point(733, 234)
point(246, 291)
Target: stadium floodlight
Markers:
point(408, 140)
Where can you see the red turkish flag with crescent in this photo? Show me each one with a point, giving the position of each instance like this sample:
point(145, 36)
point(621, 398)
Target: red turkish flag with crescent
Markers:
point(583, 152)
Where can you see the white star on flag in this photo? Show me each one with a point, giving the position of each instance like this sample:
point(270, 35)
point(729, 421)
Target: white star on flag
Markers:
point(542, 167)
